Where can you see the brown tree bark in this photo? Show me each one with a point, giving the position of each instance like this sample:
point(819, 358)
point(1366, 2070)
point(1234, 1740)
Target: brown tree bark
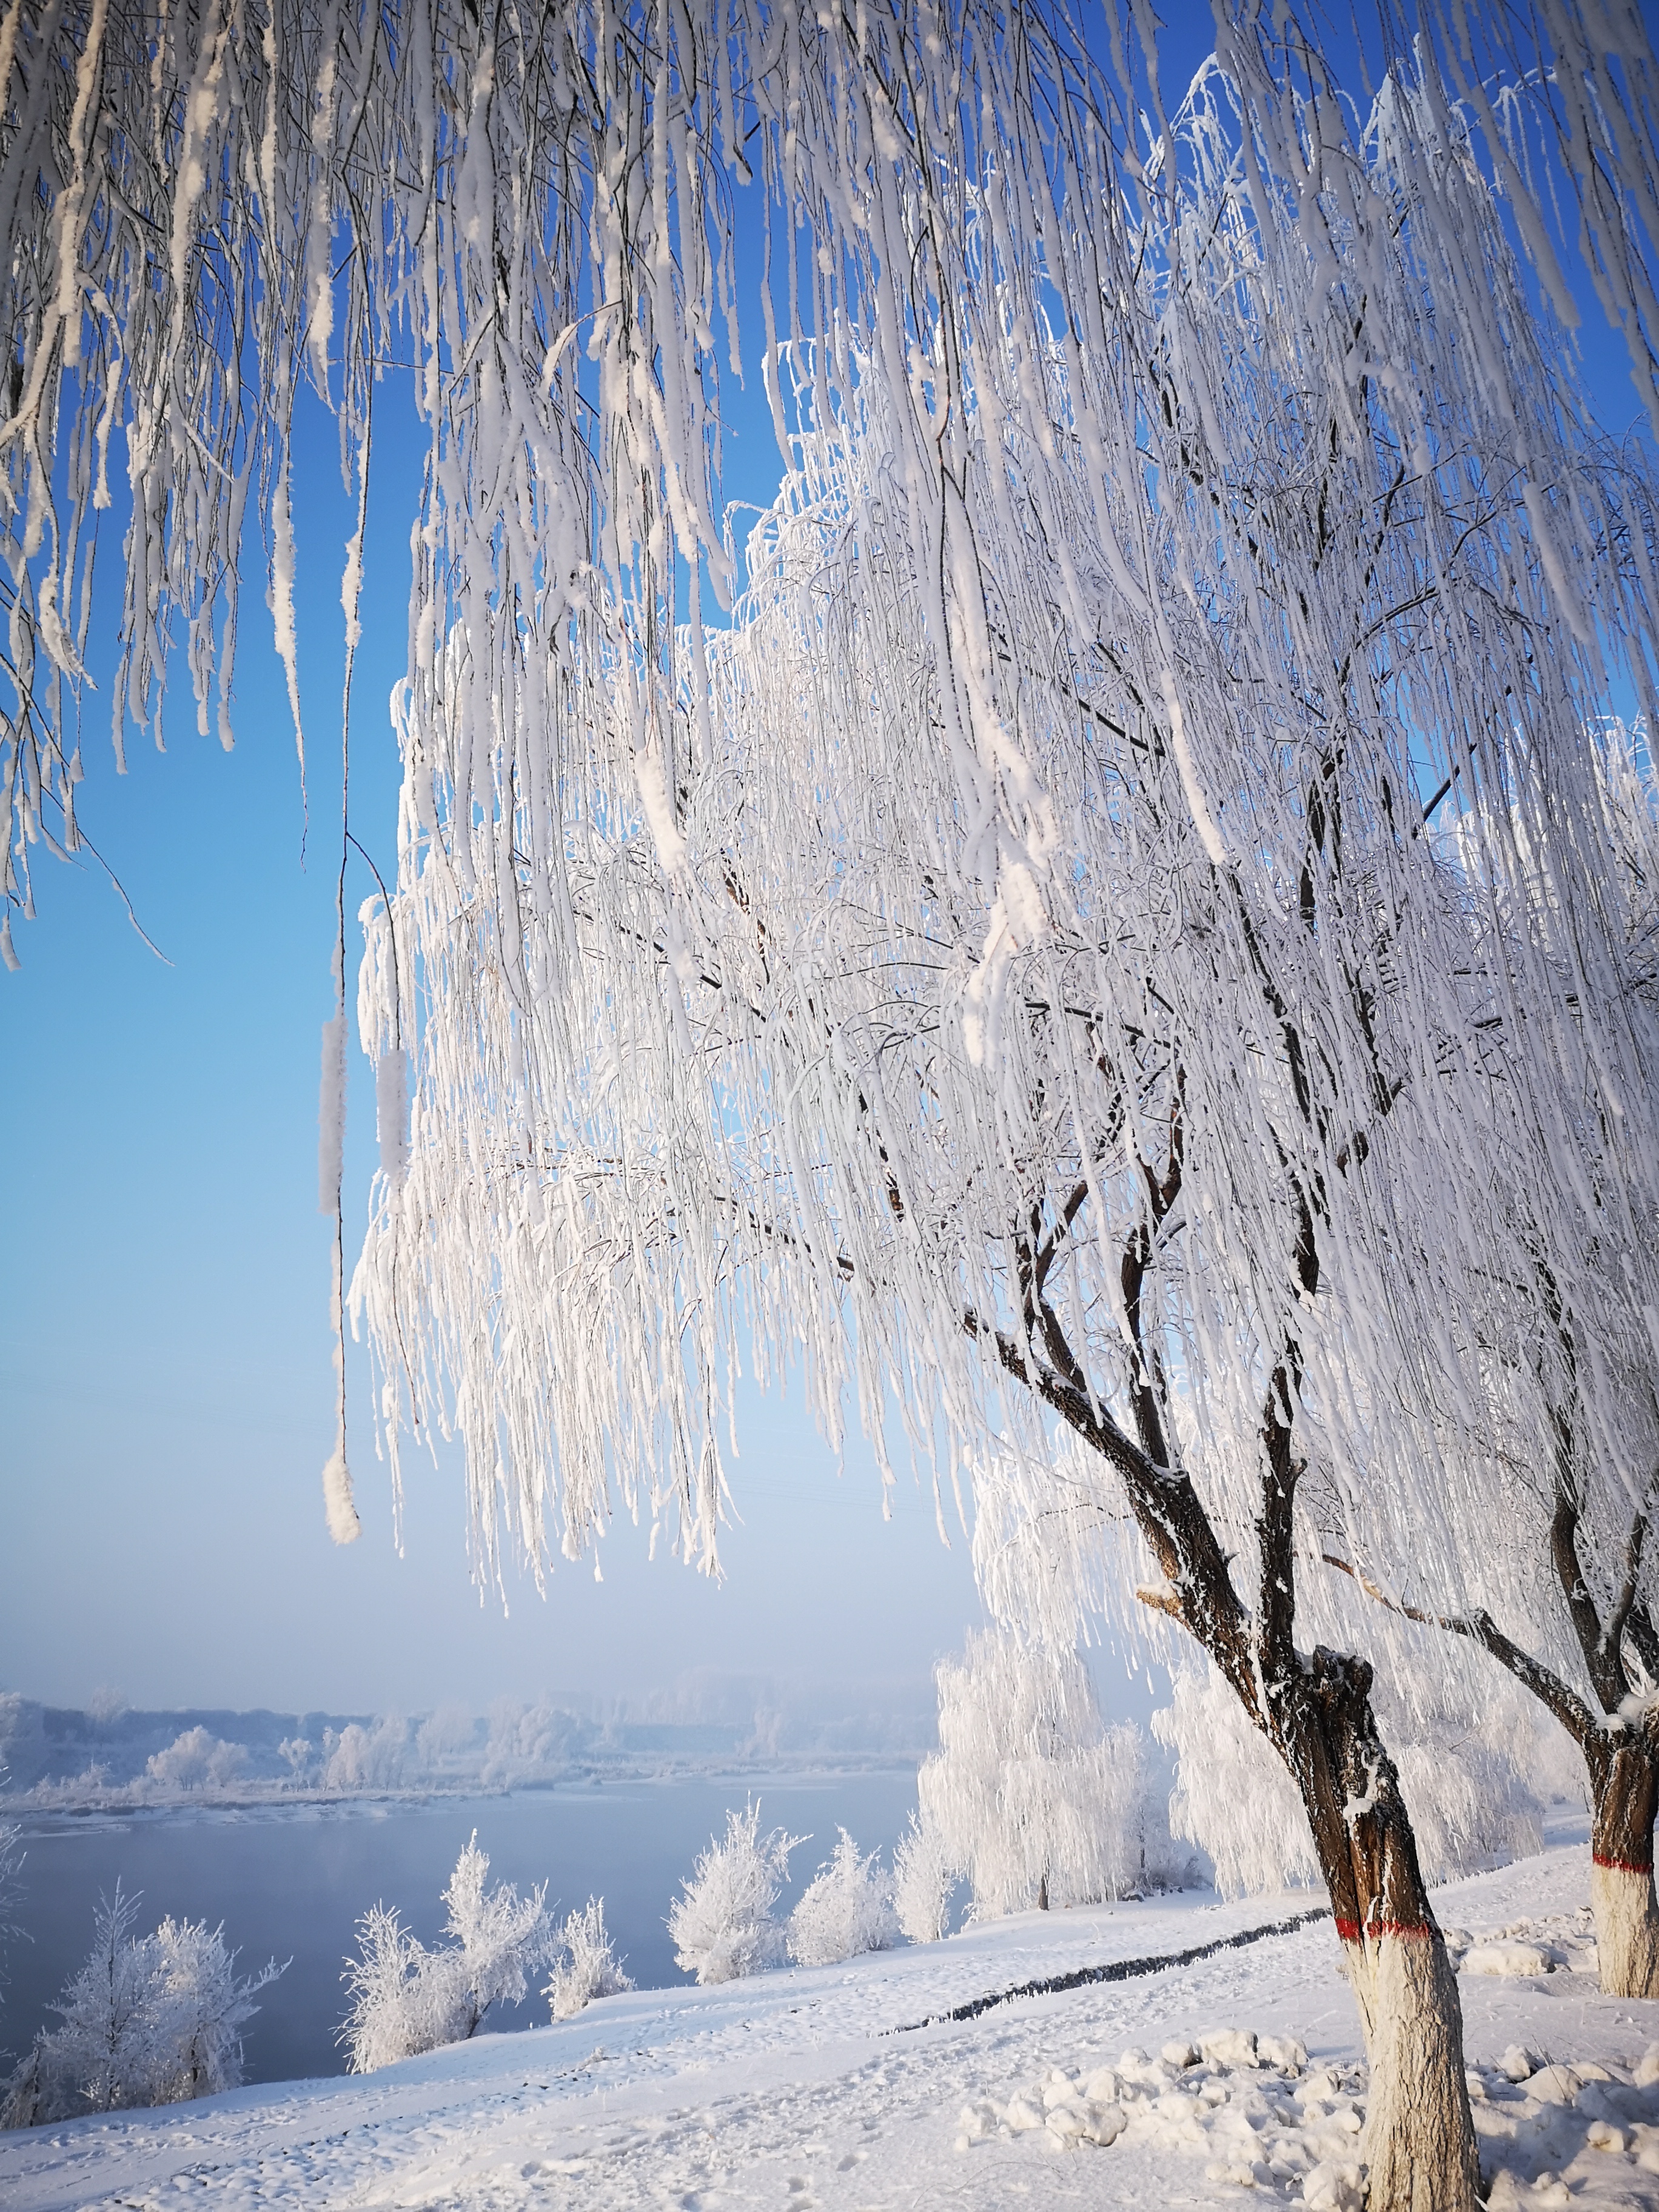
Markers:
point(1420, 2138)
point(1620, 1752)
point(1624, 1789)
point(1315, 1711)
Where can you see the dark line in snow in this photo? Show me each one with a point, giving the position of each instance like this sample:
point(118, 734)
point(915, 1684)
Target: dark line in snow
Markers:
point(1116, 1970)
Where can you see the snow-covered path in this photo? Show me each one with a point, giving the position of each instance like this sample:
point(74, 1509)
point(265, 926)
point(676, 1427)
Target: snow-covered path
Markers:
point(804, 2090)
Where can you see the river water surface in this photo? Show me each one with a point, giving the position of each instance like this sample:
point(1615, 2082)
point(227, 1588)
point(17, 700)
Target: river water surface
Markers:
point(291, 1883)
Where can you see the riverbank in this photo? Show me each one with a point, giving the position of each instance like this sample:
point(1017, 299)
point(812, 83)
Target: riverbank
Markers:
point(288, 1881)
point(817, 2091)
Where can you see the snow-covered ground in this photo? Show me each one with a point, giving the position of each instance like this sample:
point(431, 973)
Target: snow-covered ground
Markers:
point(813, 2089)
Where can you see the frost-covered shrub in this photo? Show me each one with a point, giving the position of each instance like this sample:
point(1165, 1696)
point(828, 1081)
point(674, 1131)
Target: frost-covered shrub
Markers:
point(721, 1922)
point(845, 1910)
point(149, 2020)
point(1233, 1794)
point(197, 1760)
point(1028, 1793)
point(924, 1874)
point(406, 1999)
point(500, 1938)
point(585, 1966)
point(398, 2005)
point(356, 1759)
point(294, 1752)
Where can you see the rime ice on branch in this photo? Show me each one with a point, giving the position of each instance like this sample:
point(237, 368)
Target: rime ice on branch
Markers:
point(1063, 1000)
point(1556, 1582)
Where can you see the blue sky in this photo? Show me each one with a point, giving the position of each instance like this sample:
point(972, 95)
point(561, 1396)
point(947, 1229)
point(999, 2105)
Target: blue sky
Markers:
point(165, 1371)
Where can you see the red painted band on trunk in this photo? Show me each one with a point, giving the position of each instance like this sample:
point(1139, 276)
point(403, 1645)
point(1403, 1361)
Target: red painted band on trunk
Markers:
point(1349, 1931)
point(1622, 1866)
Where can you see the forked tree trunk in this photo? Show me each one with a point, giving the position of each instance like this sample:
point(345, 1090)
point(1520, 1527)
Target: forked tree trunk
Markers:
point(1624, 1789)
point(1621, 1757)
point(1316, 1712)
point(1420, 2140)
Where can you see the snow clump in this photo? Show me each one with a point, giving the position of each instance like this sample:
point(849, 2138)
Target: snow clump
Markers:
point(1516, 1959)
point(1260, 2118)
point(846, 1910)
point(722, 1922)
point(1246, 2103)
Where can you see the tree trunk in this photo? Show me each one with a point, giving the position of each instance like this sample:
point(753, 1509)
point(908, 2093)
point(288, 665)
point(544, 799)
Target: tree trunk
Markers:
point(1624, 1789)
point(1420, 2138)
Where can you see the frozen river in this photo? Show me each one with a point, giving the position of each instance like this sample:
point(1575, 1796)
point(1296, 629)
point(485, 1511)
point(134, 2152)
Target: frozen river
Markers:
point(290, 1884)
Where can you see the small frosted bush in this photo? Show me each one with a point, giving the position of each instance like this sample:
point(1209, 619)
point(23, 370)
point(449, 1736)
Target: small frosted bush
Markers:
point(149, 2020)
point(395, 2010)
point(406, 1999)
point(924, 1874)
point(846, 1910)
point(721, 1922)
point(585, 1964)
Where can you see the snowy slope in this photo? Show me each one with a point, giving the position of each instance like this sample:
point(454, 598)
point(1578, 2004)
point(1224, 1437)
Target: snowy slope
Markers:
point(810, 2089)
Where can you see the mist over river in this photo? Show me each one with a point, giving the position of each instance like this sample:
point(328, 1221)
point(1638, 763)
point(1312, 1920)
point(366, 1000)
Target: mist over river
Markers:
point(290, 1884)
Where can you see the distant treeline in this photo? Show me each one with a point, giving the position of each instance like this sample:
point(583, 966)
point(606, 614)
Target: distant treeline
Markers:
point(110, 1754)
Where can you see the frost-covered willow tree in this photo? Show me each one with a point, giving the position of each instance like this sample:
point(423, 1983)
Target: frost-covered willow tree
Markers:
point(1029, 1795)
point(1034, 993)
point(1009, 972)
point(1558, 1584)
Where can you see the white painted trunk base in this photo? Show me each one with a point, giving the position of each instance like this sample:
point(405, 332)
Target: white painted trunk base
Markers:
point(1626, 1930)
point(1419, 2139)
